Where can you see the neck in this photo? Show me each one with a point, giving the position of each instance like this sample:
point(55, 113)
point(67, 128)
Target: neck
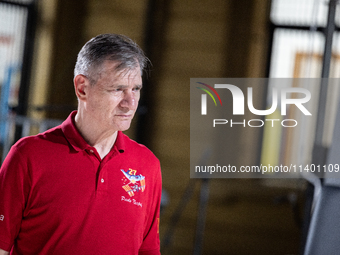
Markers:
point(102, 140)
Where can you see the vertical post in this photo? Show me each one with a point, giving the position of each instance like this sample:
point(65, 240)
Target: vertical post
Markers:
point(27, 59)
point(319, 151)
point(201, 216)
point(156, 24)
point(26, 67)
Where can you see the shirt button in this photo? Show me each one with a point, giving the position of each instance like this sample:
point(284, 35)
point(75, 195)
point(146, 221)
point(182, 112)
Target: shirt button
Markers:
point(102, 180)
point(91, 151)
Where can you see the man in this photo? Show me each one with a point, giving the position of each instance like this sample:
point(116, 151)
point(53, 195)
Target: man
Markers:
point(84, 187)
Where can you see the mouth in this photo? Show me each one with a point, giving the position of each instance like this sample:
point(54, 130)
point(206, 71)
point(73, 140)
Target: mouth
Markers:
point(124, 116)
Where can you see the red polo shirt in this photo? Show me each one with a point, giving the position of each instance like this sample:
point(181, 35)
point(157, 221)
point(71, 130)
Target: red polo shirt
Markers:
point(58, 197)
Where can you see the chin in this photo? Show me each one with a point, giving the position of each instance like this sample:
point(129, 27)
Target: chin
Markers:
point(124, 128)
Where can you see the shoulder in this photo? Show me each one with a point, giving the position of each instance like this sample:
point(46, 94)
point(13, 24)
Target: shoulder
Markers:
point(138, 149)
point(40, 142)
point(140, 158)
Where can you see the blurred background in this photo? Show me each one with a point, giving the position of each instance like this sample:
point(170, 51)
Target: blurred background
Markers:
point(39, 42)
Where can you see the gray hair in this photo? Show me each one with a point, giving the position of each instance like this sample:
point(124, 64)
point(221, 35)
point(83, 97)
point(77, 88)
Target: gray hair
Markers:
point(112, 47)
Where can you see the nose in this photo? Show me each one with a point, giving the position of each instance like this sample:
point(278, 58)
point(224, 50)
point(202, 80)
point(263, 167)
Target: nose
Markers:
point(129, 100)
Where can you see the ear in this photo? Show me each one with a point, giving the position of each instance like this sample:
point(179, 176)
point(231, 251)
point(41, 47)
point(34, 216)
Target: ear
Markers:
point(80, 86)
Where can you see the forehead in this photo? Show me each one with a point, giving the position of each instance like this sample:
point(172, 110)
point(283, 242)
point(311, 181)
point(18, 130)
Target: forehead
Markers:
point(109, 70)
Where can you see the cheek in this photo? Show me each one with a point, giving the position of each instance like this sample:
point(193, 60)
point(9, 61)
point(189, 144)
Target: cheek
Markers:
point(137, 97)
point(109, 102)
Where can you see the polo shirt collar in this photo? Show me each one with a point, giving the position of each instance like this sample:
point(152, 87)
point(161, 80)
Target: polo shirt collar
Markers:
point(76, 140)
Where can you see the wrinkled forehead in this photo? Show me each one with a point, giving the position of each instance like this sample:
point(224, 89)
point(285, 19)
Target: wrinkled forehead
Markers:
point(123, 63)
point(113, 69)
point(119, 67)
point(129, 74)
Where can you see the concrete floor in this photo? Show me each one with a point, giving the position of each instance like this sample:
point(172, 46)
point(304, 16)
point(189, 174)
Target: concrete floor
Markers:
point(243, 217)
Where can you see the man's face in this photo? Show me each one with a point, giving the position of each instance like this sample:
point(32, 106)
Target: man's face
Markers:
point(113, 100)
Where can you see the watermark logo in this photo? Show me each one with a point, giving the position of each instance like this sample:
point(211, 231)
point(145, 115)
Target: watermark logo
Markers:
point(239, 99)
point(255, 127)
point(244, 102)
point(204, 97)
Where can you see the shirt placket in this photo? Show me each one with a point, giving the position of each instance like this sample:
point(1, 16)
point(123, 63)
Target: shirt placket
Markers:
point(101, 171)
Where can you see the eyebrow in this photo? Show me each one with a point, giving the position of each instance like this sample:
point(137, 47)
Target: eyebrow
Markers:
point(125, 86)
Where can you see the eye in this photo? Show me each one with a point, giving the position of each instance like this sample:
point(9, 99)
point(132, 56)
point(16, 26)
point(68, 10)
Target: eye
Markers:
point(115, 90)
point(137, 88)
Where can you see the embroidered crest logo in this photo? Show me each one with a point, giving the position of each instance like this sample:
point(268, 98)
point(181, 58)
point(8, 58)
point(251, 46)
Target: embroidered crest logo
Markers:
point(132, 182)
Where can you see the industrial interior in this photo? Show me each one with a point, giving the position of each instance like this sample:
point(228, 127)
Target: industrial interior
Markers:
point(39, 42)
